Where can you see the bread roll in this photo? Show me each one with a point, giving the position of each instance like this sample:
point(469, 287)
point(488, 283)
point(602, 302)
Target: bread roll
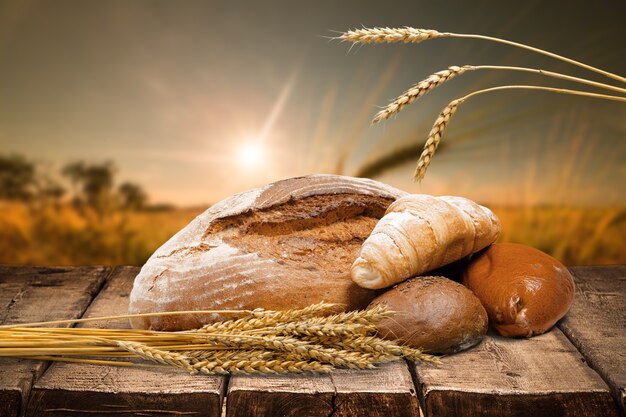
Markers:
point(524, 290)
point(420, 233)
point(434, 314)
point(285, 245)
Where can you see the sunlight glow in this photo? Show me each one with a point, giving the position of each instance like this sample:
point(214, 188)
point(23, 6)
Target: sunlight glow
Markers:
point(250, 155)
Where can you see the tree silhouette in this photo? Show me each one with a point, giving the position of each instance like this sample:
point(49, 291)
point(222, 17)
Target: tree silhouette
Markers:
point(74, 172)
point(17, 178)
point(133, 196)
point(95, 183)
point(51, 191)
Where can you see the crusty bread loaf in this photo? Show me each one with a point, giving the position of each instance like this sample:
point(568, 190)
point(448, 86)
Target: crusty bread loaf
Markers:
point(285, 245)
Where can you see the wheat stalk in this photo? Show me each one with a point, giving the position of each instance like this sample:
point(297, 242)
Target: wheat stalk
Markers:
point(438, 78)
point(413, 35)
point(434, 137)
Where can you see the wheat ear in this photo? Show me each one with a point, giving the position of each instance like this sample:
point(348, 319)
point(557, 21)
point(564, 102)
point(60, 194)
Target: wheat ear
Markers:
point(389, 35)
point(438, 78)
point(253, 361)
point(304, 349)
point(157, 355)
point(251, 366)
point(434, 137)
point(347, 323)
point(306, 328)
point(260, 318)
point(413, 35)
point(418, 90)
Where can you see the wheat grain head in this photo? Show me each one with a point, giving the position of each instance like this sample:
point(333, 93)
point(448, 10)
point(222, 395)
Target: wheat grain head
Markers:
point(418, 90)
point(434, 137)
point(389, 35)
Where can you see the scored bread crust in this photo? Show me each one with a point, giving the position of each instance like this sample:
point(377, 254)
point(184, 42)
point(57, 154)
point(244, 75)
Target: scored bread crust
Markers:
point(281, 246)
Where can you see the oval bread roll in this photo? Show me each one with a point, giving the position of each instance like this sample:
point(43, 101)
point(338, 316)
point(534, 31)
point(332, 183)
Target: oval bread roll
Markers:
point(525, 291)
point(282, 246)
point(433, 314)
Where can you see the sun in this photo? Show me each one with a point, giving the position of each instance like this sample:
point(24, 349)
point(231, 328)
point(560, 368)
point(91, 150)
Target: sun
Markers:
point(250, 155)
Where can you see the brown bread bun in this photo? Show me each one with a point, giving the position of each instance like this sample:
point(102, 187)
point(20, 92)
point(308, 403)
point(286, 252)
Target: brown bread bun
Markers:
point(524, 290)
point(434, 314)
point(282, 246)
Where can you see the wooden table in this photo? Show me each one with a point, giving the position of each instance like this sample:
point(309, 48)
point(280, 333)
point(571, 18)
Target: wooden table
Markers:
point(577, 369)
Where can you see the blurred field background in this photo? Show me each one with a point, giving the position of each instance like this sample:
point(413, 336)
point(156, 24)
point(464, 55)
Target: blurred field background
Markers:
point(120, 122)
point(100, 223)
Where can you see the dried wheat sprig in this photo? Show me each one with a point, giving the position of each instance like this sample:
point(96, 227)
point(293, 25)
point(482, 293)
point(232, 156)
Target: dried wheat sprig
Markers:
point(304, 349)
point(438, 78)
point(381, 349)
point(369, 316)
point(157, 355)
point(268, 321)
point(418, 90)
point(306, 328)
point(251, 366)
point(413, 35)
point(204, 355)
point(261, 318)
point(434, 137)
point(389, 35)
point(375, 344)
point(253, 361)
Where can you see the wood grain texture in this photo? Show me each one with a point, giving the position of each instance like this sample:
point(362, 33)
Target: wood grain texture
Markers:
point(30, 294)
point(68, 389)
point(386, 391)
point(541, 376)
point(280, 395)
point(596, 324)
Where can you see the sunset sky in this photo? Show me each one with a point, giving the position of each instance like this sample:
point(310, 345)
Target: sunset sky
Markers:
point(196, 100)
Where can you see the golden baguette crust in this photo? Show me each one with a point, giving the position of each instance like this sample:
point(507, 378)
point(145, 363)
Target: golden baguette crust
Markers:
point(282, 246)
point(420, 233)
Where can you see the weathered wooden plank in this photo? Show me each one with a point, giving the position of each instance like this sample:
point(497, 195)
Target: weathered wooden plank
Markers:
point(386, 391)
point(541, 376)
point(68, 389)
point(30, 294)
point(280, 395)
point(596, 324)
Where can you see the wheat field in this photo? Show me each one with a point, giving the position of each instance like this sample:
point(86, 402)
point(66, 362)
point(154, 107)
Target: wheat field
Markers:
point(64, 236)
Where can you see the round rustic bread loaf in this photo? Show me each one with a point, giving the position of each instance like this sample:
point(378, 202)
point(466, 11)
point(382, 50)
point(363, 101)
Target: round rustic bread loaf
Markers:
point(285, 245)
point(524, 290)
point(434, 314)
